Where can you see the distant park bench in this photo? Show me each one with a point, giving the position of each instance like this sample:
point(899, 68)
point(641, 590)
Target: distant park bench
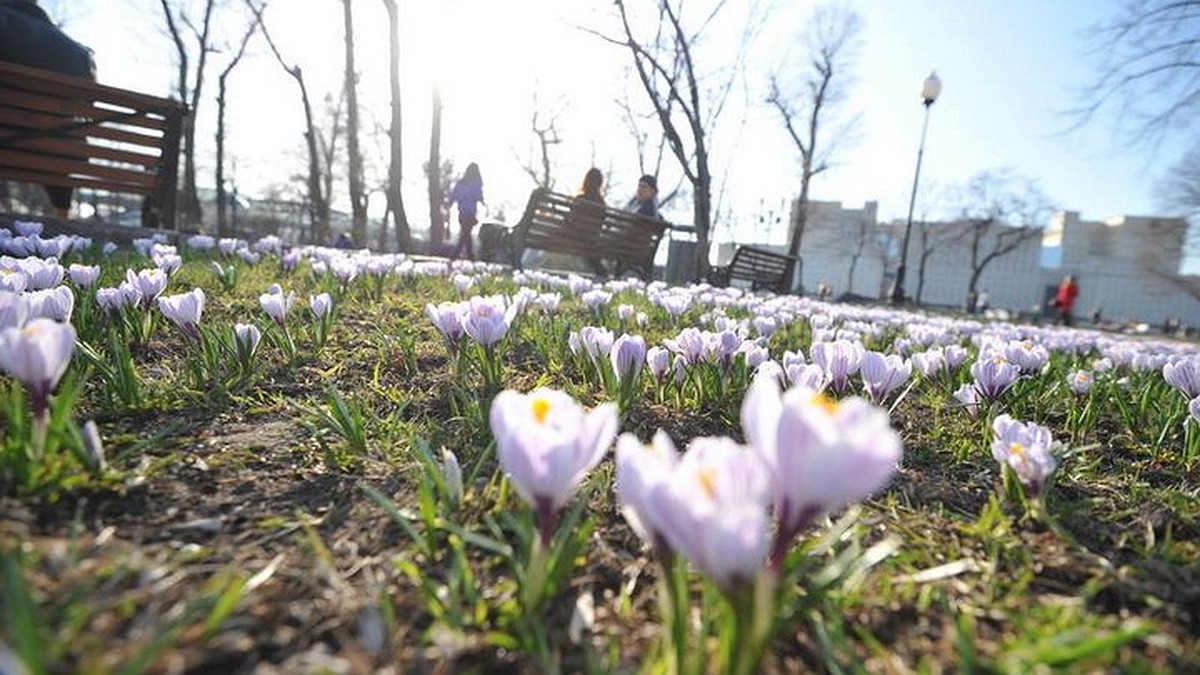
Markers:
point(561, 224)
point(763, 269)
point(71, 132)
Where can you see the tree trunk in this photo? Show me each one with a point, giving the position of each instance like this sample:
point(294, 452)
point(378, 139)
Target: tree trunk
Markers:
point(223, 229)
point(318, 205)
point(222, 219)
point(433, 174)
point(358, 200)
point(395, 199)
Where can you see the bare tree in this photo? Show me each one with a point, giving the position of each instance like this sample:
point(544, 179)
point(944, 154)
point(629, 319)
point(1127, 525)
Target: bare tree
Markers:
point(223, 229)
point(831, 41)
point(651, 149)
point(546, 133)
point(189, 86)
point(318, 198)
point(395, 175)
point(1001, 212)
point(666, 66)
point(354, 157)
point(433, 176)
point(1148, 68)
point(1179, 189)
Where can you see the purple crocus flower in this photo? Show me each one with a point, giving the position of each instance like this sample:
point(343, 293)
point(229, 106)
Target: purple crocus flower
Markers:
point(641, 468)
point(276, 304)
point(14, 310)
point(710, 507)
point(628, 356)
point(546, 443)
point(1184, 375)
point(148, 284)
point(447, 318)
point(487, 319)
point(320, 304)
point(840, 358)
point(820, 454)
point(659, 362)
point(993, 375)
point(689, 343)
point(1026, 448)
point(37, 355)
point(883, 374)
point(52, 303)
point(83, 276)
point(184, 310)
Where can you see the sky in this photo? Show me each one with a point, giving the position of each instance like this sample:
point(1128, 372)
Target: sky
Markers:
point(1010, 71)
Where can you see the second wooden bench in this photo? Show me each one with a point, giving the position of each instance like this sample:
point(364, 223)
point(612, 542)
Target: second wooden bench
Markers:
point(762, 268)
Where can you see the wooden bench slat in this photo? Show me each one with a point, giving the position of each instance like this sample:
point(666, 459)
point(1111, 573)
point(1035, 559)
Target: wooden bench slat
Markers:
point(10, 159)
point(102, 113)
point(17, 125)
point(72, 181)
point(67, 131)
point(80, 148)
point(44, 81)
point(563, 224)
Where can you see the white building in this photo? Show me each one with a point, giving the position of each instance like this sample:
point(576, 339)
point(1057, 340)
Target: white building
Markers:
point(1128, 268)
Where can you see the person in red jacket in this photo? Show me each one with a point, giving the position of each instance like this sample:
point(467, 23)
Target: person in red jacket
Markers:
point(1064, 300)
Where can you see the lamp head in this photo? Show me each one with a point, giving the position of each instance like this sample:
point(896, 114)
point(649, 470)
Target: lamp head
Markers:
point(931, 89)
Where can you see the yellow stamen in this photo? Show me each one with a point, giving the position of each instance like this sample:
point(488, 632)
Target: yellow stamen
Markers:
point(708, 481)
point(1017, 449)
point(821, 400)
point(541, 408)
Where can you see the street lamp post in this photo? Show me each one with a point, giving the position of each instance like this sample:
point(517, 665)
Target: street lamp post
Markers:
point(929, 94)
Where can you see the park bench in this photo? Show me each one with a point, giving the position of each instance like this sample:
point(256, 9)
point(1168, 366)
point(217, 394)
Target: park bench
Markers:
point(72, 132)
point(560, 224)
point(763, 269)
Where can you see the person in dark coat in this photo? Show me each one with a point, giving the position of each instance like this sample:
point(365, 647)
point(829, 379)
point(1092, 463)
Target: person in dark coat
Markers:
point(29, 38)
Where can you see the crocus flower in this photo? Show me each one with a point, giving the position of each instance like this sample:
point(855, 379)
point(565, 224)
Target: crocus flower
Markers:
point(246, 337)
point(993, 375)
point(820, 454)
point(690, 343)
point(659, 362)
point(640, 468)
point(184, 310)
point(447, 318)
point(1184, 375)
point(452, 474)
point(277, 305)
point(12, 279)
point(882, 374)
point(710, 507)
point(487, 319)
point(1080, 381)
point(628, 356)
point(40, 273)
point(1026, 448)
point(37, 355)
point(52, 303)
point(148, 284)
point(1194, 408)
point(14, 310)
point(320, 304)
point(83, 276)
point(840, 358)
point(546, 443)
point(968, 395)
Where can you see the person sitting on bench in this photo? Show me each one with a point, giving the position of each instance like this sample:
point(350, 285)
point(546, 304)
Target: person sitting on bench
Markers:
point(29, 38)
